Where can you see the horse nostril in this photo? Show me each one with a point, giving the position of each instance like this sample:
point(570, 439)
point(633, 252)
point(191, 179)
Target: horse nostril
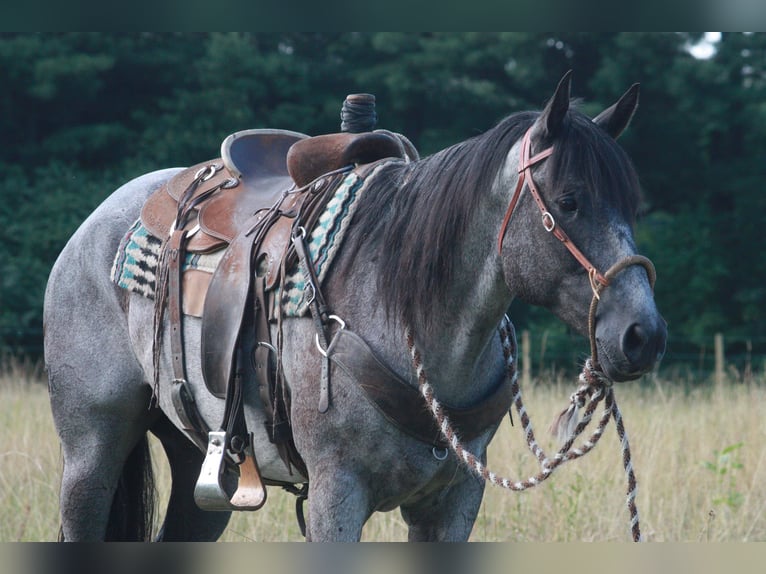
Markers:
point(634, 344)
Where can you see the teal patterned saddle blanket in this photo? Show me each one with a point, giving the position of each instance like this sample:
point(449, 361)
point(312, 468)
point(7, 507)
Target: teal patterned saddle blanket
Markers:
point(135, 263)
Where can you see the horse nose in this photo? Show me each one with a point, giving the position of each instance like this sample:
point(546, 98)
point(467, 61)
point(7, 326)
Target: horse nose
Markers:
point(643, 345)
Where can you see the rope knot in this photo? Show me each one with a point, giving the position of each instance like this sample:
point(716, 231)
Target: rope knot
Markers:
point(593, 376)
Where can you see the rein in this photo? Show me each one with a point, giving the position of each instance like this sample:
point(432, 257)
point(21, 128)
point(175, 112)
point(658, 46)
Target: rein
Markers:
point(595, 386)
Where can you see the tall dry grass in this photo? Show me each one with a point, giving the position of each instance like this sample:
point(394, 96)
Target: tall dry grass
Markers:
point(699, 453)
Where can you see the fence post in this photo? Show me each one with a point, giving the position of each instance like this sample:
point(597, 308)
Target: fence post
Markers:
point(526, 362)
point(719, 359)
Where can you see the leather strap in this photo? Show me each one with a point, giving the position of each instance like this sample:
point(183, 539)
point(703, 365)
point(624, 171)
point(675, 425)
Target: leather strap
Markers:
point(402, 404)
point(525, 176)
point(271, 389)
point(180, 392)
point(524, 165)
point(309, 211)
point(318, 310)
point(189, 415)
point(175, 263)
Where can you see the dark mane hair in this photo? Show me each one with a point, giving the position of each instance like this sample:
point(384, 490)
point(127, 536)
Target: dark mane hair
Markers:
point(588, 151)
point(413, 217)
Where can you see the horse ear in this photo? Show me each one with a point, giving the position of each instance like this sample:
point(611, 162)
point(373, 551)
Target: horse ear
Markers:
point(616, 118)
point(552, 117)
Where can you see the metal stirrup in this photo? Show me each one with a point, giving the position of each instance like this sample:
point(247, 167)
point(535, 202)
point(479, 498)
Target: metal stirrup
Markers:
point(209, 492)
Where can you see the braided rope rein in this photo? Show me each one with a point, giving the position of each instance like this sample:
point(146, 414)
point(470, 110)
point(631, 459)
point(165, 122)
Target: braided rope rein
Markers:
point(593, 388)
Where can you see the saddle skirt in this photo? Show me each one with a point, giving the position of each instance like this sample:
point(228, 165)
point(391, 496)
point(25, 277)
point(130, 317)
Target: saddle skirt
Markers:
point(135, 268)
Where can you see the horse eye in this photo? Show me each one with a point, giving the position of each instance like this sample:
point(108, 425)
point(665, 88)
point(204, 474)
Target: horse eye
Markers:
point(568, 204)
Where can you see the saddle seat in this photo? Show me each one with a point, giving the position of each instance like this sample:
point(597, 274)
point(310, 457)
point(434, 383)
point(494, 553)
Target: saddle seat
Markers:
point(256, 168)
point(253, 164)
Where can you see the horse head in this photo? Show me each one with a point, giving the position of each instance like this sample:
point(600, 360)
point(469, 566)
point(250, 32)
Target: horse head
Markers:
point(570, 219)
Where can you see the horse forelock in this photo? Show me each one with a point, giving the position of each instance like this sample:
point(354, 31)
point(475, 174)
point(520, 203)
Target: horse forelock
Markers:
point(587, 153)
point(414, 217)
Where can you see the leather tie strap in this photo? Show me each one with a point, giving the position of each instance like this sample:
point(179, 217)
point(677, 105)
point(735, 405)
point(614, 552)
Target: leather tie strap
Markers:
point(319, 314)
point(175, 265)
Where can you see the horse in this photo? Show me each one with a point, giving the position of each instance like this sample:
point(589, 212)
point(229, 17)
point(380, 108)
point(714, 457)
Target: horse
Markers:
point(437, 250)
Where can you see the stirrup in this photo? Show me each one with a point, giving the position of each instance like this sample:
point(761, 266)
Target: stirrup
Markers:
point(209, 492)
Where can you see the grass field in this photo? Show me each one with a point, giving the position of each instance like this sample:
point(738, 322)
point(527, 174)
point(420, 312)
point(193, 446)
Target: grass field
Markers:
point(699, 453)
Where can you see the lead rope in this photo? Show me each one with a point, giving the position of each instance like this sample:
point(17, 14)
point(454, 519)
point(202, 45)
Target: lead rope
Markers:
point(595, 386)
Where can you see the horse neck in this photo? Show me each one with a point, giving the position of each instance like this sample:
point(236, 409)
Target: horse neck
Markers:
point(457, 350)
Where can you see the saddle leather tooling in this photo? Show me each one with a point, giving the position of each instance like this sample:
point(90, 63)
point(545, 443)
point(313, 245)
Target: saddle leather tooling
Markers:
point(256, 161)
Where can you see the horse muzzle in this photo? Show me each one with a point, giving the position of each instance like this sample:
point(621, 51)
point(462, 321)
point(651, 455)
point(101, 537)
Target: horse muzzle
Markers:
point(635, 351)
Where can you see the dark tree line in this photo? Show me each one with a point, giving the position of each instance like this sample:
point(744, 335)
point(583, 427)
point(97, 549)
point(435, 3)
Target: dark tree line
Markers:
point(81, 113)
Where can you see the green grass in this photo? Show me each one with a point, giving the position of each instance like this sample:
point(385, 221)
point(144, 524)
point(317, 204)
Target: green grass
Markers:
point(699, 454)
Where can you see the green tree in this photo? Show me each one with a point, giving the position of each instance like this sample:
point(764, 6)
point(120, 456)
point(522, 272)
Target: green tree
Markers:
point(81, 113)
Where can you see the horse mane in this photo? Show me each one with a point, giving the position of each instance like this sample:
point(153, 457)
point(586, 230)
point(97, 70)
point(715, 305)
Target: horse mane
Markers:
point(413, 217)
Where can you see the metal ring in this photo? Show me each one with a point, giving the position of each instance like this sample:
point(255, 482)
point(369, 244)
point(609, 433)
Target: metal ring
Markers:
point(319, 347)
point(254, 359)
point(340, 322)
point(210, 169)
point(191, 232)
point(300, 233)
point(548, 222)
point(438, 455)
point(269, 346)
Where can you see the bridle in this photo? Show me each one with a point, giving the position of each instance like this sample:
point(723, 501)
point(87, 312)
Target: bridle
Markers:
point(598, 281)
point(549, 223)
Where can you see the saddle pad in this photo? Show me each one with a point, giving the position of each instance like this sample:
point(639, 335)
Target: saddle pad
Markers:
point(323, 244)
point(135, 263)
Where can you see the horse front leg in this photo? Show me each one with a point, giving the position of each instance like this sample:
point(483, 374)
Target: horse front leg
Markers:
point(339, 505)
point(447, 515)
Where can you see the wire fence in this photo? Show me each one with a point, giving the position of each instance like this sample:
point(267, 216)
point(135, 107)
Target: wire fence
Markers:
point(552, 354)
point(739, 359)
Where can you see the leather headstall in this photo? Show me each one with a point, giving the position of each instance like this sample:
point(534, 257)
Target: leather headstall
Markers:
point(549, 223)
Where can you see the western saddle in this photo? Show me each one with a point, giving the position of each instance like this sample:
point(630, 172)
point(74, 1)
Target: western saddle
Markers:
point(250, 202)
point(258, 201)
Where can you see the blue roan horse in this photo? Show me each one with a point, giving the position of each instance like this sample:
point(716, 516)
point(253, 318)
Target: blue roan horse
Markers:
point(428, 250)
